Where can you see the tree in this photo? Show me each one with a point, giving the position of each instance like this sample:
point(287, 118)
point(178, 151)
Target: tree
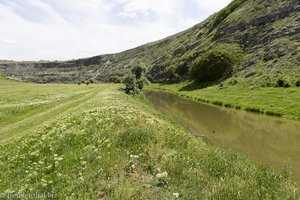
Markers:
point(216, 63)
point(135, 80)
point(138, 70)
point(130, 84)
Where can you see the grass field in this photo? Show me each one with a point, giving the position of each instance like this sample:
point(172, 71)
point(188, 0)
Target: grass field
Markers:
point(26, 106)
point(283, 102)
point(95, 142)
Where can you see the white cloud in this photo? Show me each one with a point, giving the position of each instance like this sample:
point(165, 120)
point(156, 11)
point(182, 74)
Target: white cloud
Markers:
point(66, 29)
point(212, 6)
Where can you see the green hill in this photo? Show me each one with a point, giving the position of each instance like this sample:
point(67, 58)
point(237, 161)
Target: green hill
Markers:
point(268, 31)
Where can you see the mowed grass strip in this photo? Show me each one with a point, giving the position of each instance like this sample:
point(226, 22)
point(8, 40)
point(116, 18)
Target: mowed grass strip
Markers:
point(25, 126)
point(20, 100)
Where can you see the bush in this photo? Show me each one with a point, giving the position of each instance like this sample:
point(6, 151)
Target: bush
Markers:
point(282, 83)
point(140, 84)
point(138, 70)
point(181, 68)
point(115, 79)
point(135, 80)
point(131, 84)
point(170, 71)
point(172, 74)
point(297, 83)
point(216, 63)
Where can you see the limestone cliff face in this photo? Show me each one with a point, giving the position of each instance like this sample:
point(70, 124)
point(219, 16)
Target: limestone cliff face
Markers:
point(268, 31)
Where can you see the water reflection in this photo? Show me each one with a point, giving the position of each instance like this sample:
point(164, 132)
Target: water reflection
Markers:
point(270, 140)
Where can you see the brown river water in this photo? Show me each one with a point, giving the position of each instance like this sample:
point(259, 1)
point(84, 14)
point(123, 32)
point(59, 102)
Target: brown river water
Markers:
point(272, 141)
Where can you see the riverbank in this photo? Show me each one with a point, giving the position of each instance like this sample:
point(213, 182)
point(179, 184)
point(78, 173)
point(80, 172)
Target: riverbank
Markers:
point(114, 146)
point(284, 102)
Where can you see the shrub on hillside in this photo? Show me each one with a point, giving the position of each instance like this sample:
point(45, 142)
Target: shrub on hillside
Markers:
point(172, 73)
point(282, 83)
point(216, 63)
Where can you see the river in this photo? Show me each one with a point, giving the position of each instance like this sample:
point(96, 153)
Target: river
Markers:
point(272, 141)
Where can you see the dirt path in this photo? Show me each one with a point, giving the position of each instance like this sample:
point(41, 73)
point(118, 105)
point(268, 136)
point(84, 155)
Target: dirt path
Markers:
point(25, 126)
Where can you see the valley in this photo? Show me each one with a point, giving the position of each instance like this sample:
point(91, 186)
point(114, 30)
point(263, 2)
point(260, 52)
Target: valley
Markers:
point(106, 144)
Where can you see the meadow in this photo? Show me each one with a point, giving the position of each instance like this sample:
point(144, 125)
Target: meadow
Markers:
point(96, 142)
point(284, 102)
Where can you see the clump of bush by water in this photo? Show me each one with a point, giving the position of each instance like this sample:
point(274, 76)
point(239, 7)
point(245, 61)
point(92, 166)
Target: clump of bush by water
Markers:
point(135, 80)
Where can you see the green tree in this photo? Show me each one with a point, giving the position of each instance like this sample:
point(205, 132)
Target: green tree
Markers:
point(216, 63)
point(130, 84)
point(138, 70)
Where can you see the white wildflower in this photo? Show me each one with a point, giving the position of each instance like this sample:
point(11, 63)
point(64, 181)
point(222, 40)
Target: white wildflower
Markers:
point(162, 175)
point(176, 194)
point(84, 162)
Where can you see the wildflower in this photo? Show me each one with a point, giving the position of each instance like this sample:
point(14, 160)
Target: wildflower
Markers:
point(44, 184)
point(134, 156)
point(84, 162)
point(162, 175)
point(176, 194)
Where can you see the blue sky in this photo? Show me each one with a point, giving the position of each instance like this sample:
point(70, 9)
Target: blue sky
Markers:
point(67, 29)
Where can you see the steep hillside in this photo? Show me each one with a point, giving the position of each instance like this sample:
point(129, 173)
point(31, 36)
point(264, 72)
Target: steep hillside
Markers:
point(268, 31)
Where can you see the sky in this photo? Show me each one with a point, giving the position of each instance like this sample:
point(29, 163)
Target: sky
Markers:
point(70, 29)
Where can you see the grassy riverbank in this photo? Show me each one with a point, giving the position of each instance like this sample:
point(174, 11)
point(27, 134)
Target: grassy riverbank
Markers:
point(113, 146)
point(283, 102)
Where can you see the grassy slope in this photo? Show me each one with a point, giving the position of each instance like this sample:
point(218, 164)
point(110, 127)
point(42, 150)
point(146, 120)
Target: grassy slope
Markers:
point(274, 101)
point(114, 146)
